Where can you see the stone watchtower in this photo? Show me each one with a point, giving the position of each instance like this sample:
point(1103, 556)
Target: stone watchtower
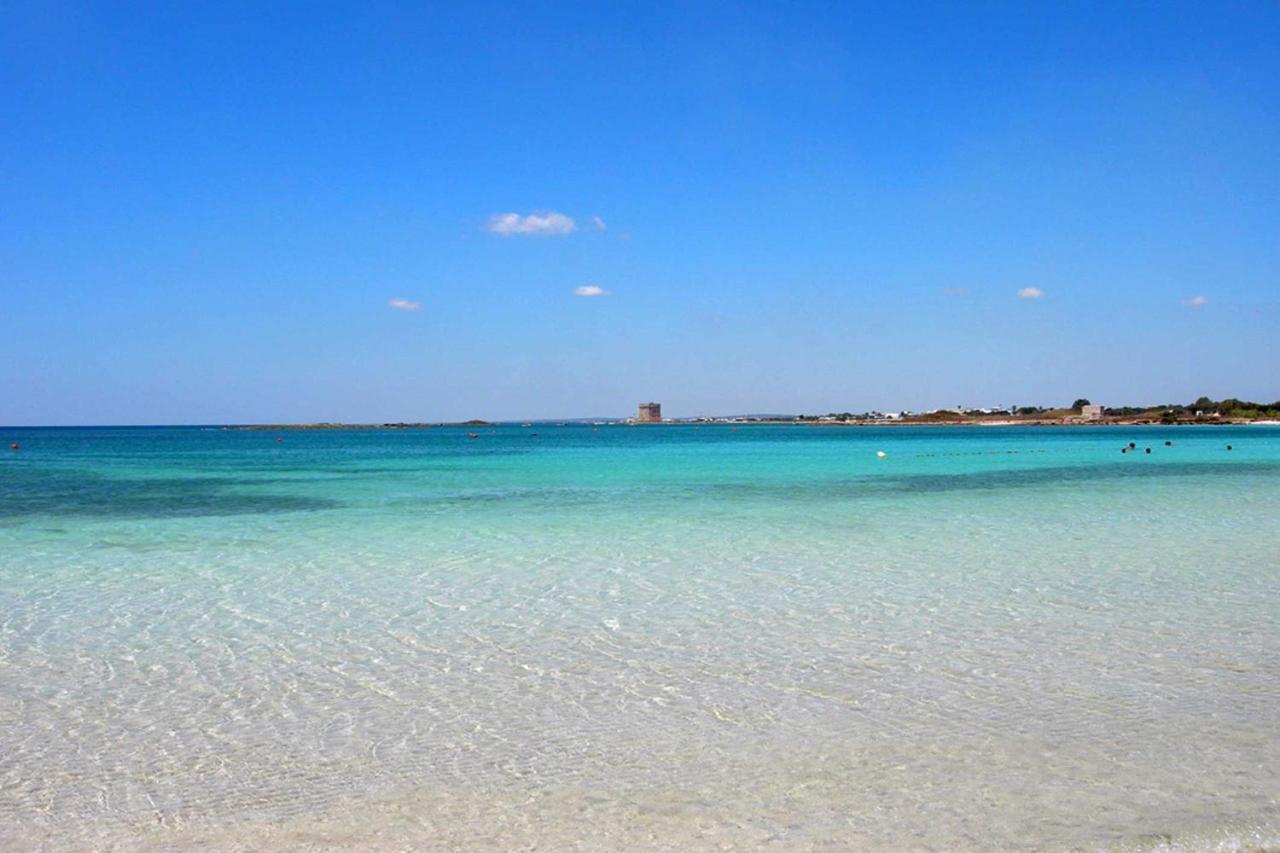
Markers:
point(649, 413)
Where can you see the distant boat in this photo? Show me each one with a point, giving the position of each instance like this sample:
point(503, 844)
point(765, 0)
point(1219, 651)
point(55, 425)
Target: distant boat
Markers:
point(473, 435)
point(526, 425)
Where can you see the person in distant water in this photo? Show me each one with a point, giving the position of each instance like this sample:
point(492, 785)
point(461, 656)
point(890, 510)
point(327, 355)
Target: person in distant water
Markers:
point(1148, 449)
point(1228, 447)
point(1133, 446)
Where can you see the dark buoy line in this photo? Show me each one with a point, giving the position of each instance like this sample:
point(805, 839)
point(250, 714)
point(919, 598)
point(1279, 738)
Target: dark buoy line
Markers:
point(1132, 446)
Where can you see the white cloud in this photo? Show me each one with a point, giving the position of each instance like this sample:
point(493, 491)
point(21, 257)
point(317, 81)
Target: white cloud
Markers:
point(533, 225)
point(1030, 293)
point(598, 223)
point(590, 290)
point(404, 304)
point(1196, 301)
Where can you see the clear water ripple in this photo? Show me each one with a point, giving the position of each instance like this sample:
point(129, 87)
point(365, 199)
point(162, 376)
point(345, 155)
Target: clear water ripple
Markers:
point(639, 637)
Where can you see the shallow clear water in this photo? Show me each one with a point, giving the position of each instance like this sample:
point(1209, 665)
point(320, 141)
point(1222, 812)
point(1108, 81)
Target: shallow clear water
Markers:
point(653, 636)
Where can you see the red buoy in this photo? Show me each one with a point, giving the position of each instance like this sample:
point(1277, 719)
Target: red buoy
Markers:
point(13, 446)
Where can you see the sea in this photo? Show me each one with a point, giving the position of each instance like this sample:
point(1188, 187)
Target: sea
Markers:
point(609, 637)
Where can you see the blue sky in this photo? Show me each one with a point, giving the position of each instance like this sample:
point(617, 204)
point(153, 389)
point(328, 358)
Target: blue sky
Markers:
point(206, 210)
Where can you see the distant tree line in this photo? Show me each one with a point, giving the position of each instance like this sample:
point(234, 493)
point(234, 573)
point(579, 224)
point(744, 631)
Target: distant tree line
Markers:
point(1228, 408)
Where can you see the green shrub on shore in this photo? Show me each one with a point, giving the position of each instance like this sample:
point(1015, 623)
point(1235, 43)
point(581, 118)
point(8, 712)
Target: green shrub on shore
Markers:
point(1236, 408)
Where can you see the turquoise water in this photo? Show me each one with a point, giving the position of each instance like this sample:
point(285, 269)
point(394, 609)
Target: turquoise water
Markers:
point(622, 637)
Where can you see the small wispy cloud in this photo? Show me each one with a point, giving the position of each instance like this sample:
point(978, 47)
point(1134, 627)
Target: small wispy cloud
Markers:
point(956, 291)
point(590, 290)
point(710, 320)
point(598, 223)
point(1196, 301)
point(404, 304)
point(1030, 293)
point(533, 225)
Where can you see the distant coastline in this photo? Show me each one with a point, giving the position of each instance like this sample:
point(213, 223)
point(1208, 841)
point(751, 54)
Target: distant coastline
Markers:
point(1204, 411)
point(327, 425)
point(901, 422)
